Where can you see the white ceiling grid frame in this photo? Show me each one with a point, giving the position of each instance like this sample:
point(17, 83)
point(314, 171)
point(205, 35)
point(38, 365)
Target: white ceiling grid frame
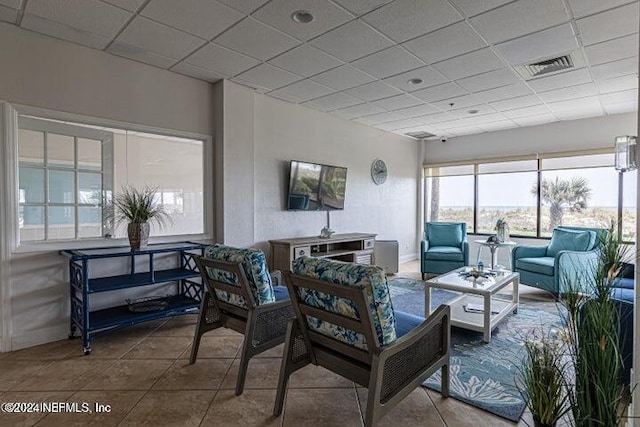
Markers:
point(202, 18)
point(467, 46)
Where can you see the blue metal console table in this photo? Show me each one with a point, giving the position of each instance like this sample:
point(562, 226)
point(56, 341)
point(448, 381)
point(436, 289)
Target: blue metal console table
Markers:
point(82, 286)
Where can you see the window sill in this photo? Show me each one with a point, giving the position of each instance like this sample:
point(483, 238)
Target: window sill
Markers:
point(33, 247)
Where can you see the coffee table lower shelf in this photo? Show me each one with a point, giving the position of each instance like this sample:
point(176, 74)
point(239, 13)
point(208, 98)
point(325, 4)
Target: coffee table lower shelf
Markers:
point(477, 321)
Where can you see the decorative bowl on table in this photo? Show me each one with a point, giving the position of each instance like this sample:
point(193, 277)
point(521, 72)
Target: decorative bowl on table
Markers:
point(475, 274)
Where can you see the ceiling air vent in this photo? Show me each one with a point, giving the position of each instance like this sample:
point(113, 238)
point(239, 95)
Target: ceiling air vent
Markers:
point(420, 134)
point(551, 65)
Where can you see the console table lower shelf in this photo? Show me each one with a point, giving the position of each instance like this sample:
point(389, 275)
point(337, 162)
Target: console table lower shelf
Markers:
point(92, 323)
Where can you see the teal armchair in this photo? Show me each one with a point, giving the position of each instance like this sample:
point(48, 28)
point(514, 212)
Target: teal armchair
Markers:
point(444, 247)
point(571, 254)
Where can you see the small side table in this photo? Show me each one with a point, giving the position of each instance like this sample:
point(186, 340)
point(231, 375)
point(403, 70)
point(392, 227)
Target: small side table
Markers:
point(493, 247)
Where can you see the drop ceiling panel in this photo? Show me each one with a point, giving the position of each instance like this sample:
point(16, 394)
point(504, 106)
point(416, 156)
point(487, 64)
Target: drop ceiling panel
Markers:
point(305, 60)
point(388, 62)
point(446, 43)
point(536, 110)
point(503, 92)
point(246, 6)
point(615, 68)
point(359, 111)
point(609, 24)
point(402, 123)
point(558, 81)
point(541, 45)
point(483, 112)
point(474, 7)
point(373, 91)
point(196, 72)
point(612, 50)
point(343, 77)
point(458, 102)
point(469, 64)
point(624, 96)
point(140, 55)
point(202, 18)
point(519, 18)
point(384, 117)
point(571, 92)
point(352, 41)
point(158, 38)
point(490, 80)
point(499, 125)
point(624, 107)
point(255, 39)
point(8, 14)
point(326, 16)
point(91, 16)
point(333, 102)
point(268, 76)
point(418, 110)
point(519, 102)
point(535, 120)
point(360, 7)
point(437, 93)
point(131, 5)
point(64, 32)
point(221, 60)
point(582, 105)
point(405, 19)
point(429, 76)
point(303, 90)
point(582, 8)
point(617, 84)
point(397, 102)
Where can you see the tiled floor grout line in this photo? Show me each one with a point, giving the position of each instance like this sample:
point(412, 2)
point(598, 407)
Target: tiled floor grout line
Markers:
point(435, 407)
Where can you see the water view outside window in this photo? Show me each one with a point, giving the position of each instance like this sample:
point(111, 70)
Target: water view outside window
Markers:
point(506, 195)
point(450, 199)
point(581, 190)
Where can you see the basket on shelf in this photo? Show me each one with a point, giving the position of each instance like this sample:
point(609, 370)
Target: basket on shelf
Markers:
point(147, 304)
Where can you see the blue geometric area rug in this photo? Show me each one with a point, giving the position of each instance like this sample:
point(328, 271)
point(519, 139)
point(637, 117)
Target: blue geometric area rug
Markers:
point(482, 375)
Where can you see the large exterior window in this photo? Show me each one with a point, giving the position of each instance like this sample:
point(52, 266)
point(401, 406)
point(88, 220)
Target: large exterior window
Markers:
point(450, 195)
point(535, 196)
point(68, 173)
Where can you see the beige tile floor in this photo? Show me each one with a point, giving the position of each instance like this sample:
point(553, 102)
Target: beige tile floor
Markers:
point(143, 374)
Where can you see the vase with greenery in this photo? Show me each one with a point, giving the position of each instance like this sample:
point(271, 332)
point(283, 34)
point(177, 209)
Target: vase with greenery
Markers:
point(593, 324)
point(542, 380)
point(138, 208)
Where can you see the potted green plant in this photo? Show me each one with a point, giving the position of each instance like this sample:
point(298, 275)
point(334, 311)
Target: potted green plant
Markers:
point(542, 380)
point(593, 324)
point(138, 208)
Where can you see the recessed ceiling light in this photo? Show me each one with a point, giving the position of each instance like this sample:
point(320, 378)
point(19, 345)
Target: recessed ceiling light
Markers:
point(473, 111)
point(415, 81)
point(302, 16)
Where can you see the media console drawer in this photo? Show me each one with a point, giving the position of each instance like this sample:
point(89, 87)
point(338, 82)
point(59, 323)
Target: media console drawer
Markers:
point(350, 247)
point(301, 251)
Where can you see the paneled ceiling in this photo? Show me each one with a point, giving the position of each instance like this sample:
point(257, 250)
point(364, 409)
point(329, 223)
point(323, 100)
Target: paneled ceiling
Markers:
point(361, 59)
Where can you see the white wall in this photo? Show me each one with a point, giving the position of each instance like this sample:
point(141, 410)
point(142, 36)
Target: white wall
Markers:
point(282, 132)
point(44, 72)
point(596, 132)
point(48, 73)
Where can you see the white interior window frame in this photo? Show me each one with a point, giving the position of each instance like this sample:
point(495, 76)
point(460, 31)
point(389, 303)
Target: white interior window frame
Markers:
point(105, 171)
point(9, 181)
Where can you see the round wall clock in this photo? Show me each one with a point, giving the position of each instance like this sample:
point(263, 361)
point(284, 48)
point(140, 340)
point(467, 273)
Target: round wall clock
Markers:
point(379, 171)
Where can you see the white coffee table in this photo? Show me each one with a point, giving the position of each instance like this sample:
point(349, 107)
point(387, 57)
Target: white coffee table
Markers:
point(481, 293)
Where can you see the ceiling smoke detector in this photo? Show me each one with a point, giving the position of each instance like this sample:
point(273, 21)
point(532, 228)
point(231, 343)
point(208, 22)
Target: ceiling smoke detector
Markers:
point(420, 134)
point(549, 66)
point(302, 16)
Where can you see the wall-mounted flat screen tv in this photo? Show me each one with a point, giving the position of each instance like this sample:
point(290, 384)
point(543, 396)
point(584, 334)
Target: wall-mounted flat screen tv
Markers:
point(316, 187)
